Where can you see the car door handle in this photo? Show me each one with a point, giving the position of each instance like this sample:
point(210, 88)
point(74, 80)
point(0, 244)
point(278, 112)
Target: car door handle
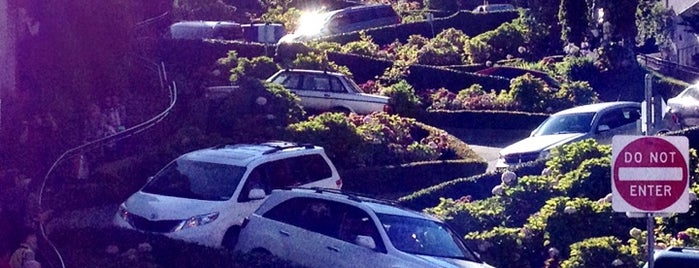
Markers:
point(284, 233)
point(333, 248)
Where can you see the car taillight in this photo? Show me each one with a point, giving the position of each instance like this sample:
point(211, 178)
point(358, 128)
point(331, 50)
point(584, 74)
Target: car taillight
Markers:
point(675, 118)
point(338, 182)
point(387, 108)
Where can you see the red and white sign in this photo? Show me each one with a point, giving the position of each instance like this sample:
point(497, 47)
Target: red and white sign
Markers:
point(650, 174)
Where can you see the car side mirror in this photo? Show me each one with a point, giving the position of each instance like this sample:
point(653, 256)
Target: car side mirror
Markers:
point(365, 241)
point(256, 194)
point(603, 128)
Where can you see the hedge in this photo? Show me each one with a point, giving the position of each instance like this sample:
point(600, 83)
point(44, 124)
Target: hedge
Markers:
point(193, 54)
point(478, 187)
point(471, 24)
point(420, 76)
point(390, 181)
point(116, 247)
point(692, 134)
point(484, 119)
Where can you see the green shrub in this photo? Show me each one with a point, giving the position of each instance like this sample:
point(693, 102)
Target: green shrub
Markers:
point(466, 215)
point(526, 197)
point(568, 157)
point(478, 50)
point(477, 187)
point(607, 251)
point(448, 5)
point(432, 54)
point(500, 247)
point(258, 67)
point(530, 93)
point(403, 99)
point(286, 16)
point(376, 139)
point(318, 61)
point(365, 46)
point(564, 221)
point(591, 179)
point(575, 93)
point(577, 68)
point(268, 107)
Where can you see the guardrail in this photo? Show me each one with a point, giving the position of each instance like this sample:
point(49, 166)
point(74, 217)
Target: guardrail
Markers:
point(166, 85)
point(686, 73)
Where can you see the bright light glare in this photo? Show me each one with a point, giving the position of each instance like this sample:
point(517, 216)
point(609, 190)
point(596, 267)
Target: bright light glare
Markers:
point(311, 23)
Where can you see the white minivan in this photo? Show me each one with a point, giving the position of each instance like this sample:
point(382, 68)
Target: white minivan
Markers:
point(203, 196)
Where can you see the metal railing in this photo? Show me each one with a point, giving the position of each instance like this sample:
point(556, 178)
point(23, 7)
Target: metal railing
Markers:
point(686, 73)
point(170, 87)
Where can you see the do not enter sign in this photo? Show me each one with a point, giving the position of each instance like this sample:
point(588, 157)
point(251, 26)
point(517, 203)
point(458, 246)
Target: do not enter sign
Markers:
point(650, 174)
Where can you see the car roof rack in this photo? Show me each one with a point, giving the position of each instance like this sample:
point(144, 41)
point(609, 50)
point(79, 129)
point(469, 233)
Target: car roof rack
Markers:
point(354, 196)
point(286, 145)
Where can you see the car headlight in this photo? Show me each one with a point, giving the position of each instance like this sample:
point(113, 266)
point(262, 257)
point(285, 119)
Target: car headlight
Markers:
point(123, 212)
point(197, 221)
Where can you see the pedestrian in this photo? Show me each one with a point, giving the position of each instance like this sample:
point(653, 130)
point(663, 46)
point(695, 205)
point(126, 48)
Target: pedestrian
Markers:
point(25, 255)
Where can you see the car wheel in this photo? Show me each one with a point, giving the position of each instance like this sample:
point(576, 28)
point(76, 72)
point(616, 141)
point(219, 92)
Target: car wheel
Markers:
point(231, 237)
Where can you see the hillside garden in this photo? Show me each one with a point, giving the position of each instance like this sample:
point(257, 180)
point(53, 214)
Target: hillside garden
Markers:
point(520, 219)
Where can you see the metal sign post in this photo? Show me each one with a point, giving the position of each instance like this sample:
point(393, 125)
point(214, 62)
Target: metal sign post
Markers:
point(650, 223)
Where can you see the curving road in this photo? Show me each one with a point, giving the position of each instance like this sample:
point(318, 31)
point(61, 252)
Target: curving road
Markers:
point(488, 142)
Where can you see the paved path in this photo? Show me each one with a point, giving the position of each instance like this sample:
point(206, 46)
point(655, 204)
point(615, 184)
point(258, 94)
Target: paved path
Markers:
point(488, 143)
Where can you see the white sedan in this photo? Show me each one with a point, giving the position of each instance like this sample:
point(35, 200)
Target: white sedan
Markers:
point(329, 91)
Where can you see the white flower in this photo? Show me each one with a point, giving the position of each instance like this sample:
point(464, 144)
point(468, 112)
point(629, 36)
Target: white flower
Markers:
point(521, 49)
point(692, 196)
point(270, 117)
point(497, 190)
point(547, 171)
point(508, 177)
point(216, 72)
point(635, 232)
point(570, 210)
point(553, 252)
point(261, 100)
point(617, 262)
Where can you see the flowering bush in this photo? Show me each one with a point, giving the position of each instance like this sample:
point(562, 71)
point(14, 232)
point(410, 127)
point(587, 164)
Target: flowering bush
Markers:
point(372, 140)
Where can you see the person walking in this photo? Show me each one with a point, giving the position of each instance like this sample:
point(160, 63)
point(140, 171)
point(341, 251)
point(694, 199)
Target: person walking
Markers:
point(25, 255)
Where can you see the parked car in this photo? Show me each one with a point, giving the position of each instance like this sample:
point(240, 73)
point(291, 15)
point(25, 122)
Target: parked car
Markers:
point(326, 228)
point(676, 257)
point(600, 121)
point(329, 91)
point(683, 109)
point(197, 30)
point(514, 72)
point(493, 8)
point(203, 196)
point(342, 21)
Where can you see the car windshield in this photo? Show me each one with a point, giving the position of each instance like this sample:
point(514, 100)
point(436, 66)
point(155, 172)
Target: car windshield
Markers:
point(424, 237)
point(196, 180)
point(566, 123)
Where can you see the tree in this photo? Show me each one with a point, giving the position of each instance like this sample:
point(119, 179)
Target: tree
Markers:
point(573, 15)
point(654, 22)
point(541, 19)
point(619, 13)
